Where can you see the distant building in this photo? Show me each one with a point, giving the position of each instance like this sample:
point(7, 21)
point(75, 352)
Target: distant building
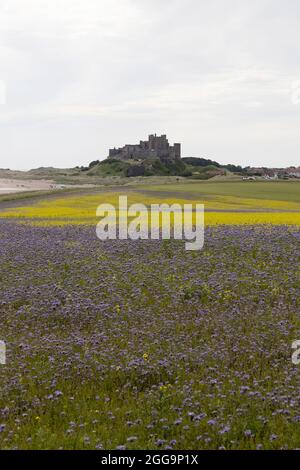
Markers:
point(274, 173)
point(155, 147)
point(293, 172)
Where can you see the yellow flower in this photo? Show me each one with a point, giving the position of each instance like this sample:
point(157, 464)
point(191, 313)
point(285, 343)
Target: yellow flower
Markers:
point(164, 388)
point(37, 418)
point(145, 357)
point(118, 309)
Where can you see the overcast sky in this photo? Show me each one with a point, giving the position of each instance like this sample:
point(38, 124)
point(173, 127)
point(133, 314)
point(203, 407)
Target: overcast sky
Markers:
point(80, 76)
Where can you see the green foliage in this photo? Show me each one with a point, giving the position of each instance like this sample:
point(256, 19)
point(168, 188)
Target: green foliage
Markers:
point(234, 168)
point(94, 163)
point(194, 161)
point(109, 167)
point(206, 163)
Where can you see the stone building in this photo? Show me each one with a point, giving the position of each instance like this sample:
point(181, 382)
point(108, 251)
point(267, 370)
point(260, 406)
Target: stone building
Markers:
point(154, 147)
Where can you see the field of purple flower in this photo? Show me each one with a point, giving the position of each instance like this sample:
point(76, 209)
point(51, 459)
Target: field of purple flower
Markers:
point(143, 345)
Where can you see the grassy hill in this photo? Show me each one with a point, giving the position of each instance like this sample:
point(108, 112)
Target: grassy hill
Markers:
point(188, 167)
point(153, 167)
point(195, 168)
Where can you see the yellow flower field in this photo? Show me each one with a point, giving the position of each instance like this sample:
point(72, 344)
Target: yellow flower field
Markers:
point(219, 209)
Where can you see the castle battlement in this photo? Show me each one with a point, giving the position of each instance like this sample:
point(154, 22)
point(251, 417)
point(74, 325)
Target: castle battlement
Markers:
point(154, 147)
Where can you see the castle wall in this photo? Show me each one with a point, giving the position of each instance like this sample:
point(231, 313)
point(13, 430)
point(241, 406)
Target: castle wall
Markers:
point(155, 147)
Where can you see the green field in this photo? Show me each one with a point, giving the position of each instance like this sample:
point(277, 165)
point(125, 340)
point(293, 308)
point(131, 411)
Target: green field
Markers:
point(227, 202)
point(271, 190)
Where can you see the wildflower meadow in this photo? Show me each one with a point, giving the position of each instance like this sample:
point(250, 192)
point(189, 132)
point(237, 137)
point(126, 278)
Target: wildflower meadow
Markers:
point(124, 344)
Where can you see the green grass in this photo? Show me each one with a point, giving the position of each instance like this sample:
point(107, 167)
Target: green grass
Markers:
point(275, 190)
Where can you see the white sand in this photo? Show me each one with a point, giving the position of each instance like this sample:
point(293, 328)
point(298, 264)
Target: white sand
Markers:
point(8, 186)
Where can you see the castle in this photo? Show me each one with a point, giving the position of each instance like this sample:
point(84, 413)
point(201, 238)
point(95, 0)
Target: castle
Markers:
point(154, 147)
